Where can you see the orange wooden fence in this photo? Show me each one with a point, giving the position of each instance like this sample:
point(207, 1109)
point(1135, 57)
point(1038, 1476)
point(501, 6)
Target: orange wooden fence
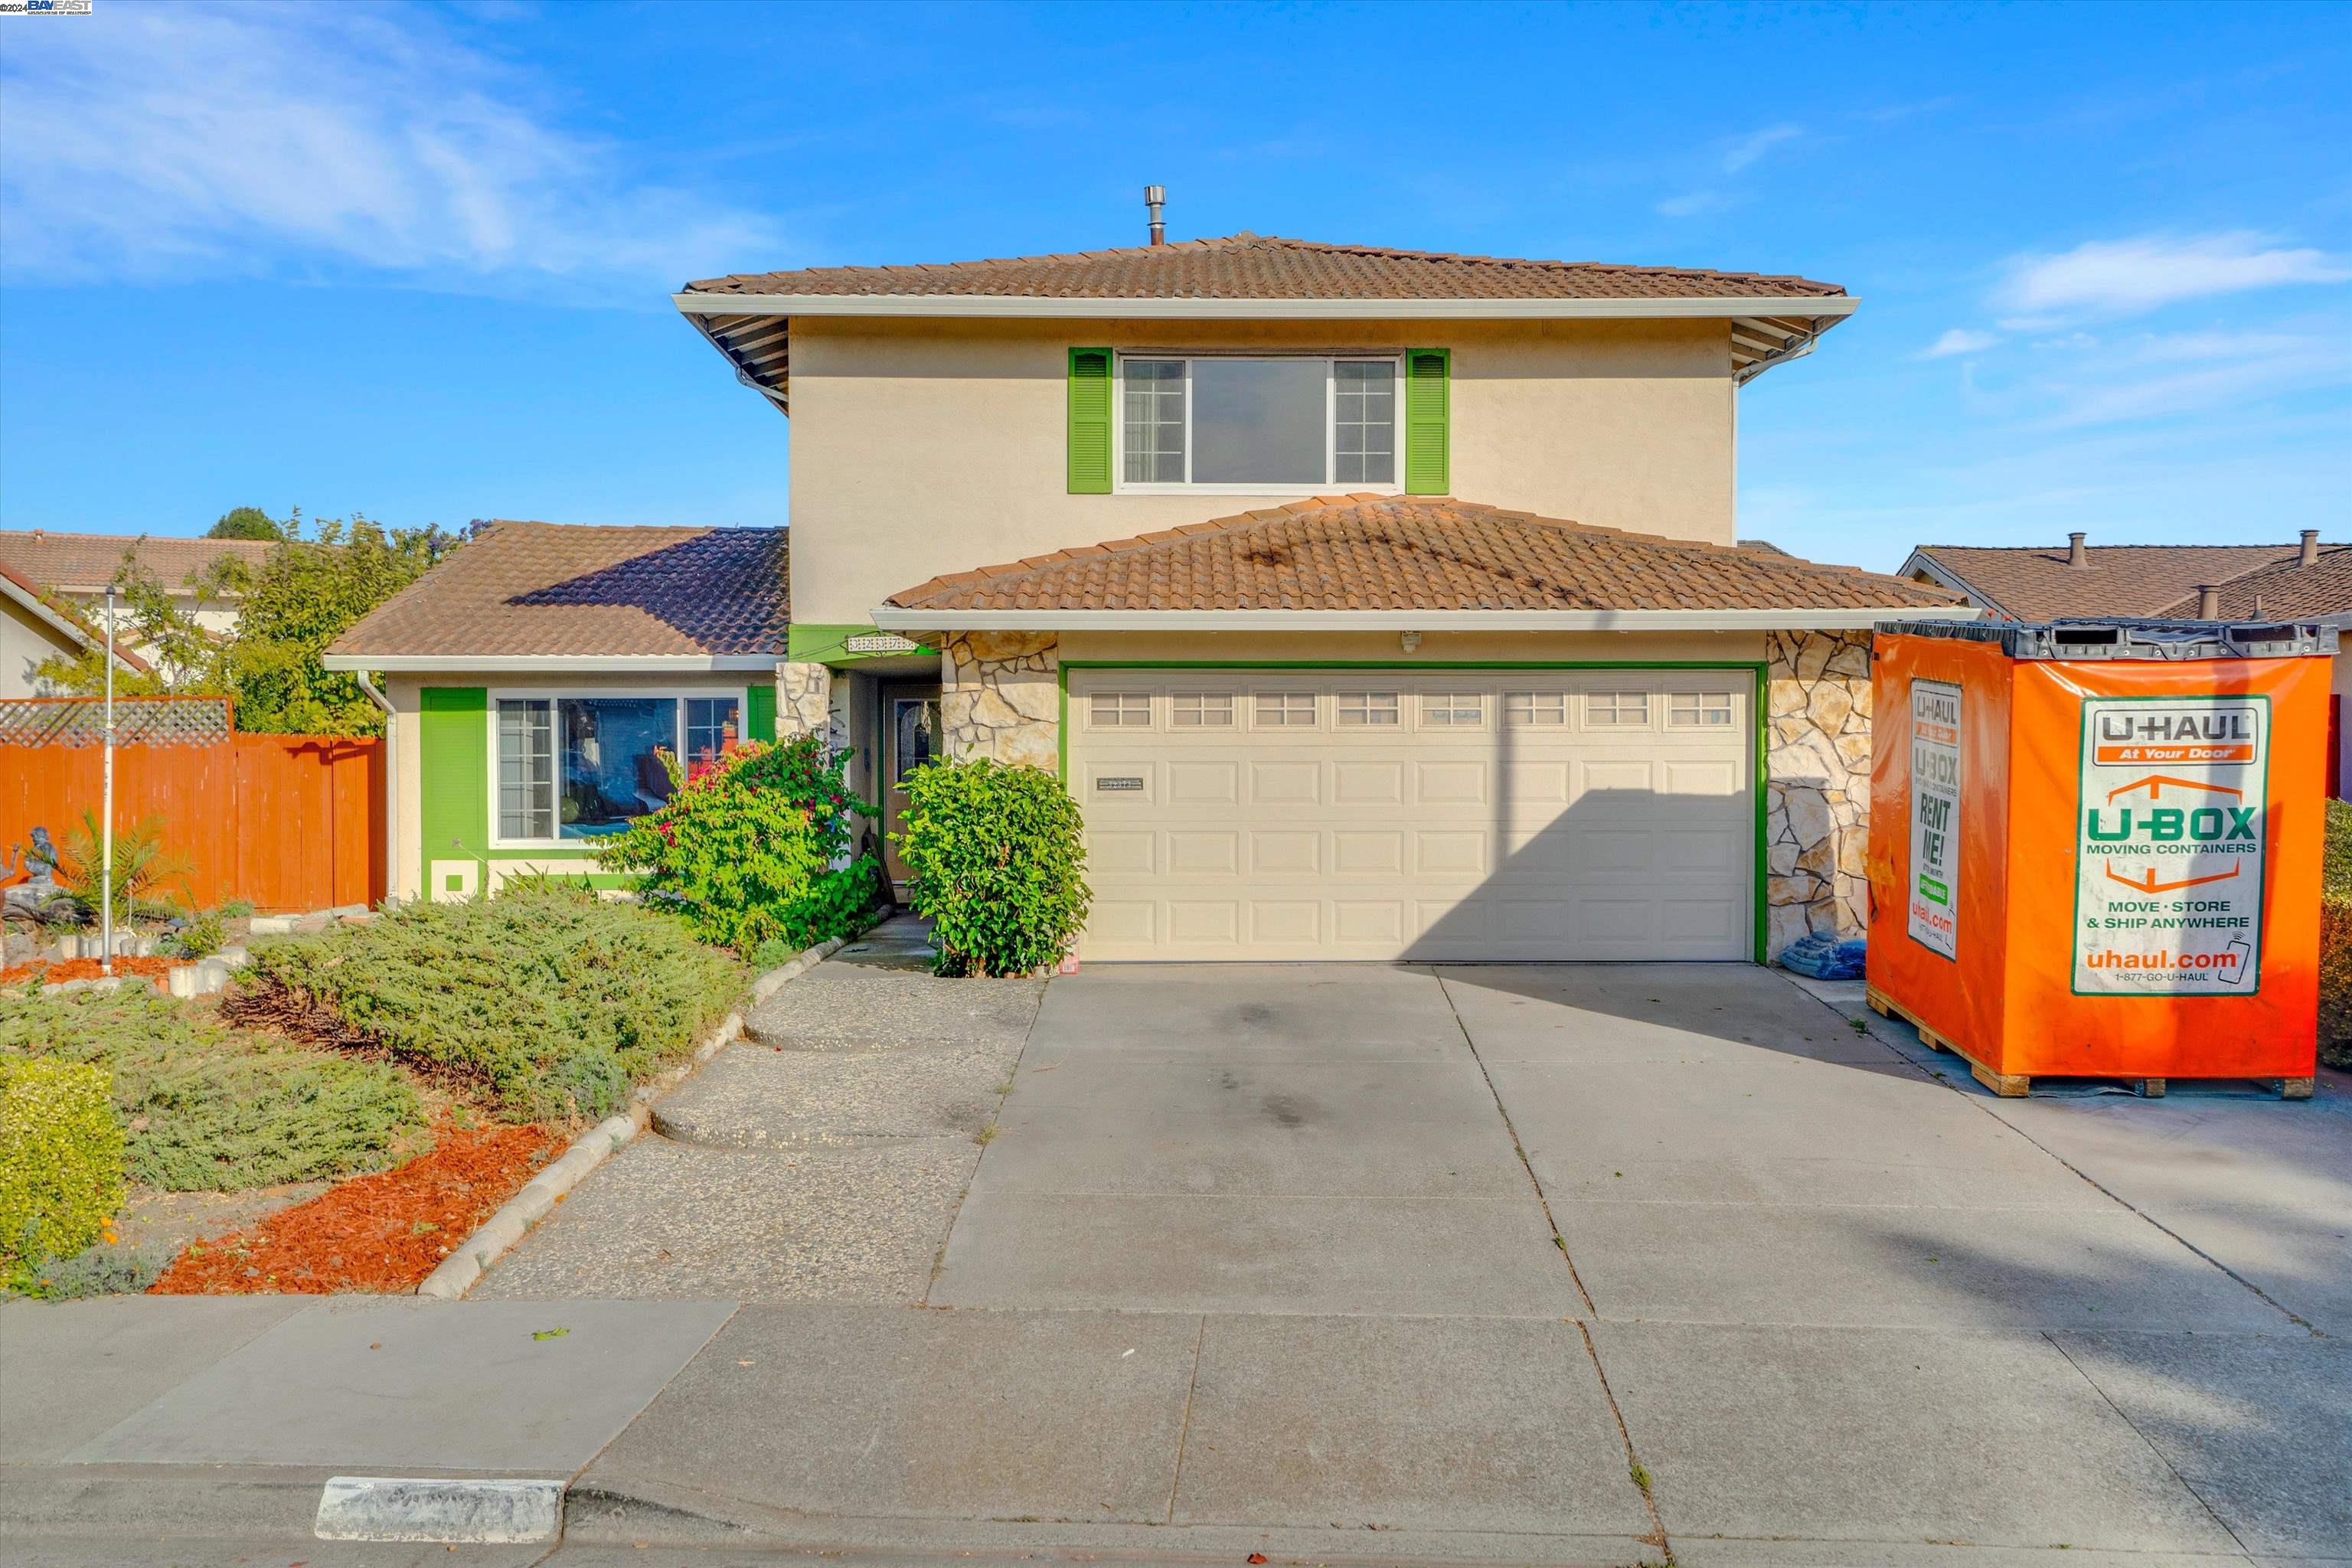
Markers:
point(284, 822)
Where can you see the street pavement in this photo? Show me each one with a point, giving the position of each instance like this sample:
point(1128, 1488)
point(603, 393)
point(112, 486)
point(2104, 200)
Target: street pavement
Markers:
point(1508, 1264)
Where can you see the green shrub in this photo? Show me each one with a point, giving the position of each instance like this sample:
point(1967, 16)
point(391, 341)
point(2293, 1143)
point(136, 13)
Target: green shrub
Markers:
point(553, 1001)
point(200, 936)
point(753, 847)
point(994, 853)
point(2336, 939)
point(60, 1160)
point(207, 1108)
point(100, 1270)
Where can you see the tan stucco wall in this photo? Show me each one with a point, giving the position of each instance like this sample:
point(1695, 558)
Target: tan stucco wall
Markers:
point(25, 642)
point(927, 447)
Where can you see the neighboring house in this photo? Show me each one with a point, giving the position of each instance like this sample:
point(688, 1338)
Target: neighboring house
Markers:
point(2305, 581)
point(77, 566)
point(534, 673)
point(1374, 603)
point(35, 627)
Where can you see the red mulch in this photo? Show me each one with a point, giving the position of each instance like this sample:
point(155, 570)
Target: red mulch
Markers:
point(57, 973)
point(381, 1232)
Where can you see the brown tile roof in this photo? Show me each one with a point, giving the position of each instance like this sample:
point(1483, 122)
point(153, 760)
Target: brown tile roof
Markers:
point(84, 563)
point(2036, 584)
point(1248, 266)
point(1410, 552)
point(2283, 588)
point(546, 589)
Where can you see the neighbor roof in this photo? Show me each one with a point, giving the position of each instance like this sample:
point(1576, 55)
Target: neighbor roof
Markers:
point(747, 315)
point(86, 562)
point(2037, 585)
point(539, 590)
point(2283, 588)
point(71, 629)
point(1421, 554)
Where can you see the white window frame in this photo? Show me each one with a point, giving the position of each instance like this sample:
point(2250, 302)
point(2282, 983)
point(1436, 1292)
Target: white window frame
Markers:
point(1120, 485)
point(676, 697)
point(1119, 700)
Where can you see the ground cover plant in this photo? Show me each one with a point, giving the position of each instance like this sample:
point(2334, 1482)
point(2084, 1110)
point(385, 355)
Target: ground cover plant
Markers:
point(753, 847)
point(548, 1000)
point(2336, 940)
point(206, 1107)
point(996, 860)
point(60, 1161)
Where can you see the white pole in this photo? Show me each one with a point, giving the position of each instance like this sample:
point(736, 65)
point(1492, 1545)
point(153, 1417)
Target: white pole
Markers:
point(106, 832)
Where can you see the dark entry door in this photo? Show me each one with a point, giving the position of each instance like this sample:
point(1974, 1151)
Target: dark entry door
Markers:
point(911, 737)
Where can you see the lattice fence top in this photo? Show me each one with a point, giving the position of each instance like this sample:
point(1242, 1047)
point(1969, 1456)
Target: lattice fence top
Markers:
point(138, 722)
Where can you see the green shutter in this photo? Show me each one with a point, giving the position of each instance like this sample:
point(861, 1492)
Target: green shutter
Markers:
point(760, 724)
point(1428, 394)
point(1091, 422)
point(453, 775)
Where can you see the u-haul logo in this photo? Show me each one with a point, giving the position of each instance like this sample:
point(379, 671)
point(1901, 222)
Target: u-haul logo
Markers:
point(2168, 851)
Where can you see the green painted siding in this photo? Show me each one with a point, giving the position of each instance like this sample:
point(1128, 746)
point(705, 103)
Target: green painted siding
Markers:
point(1428, 401)
point(759, 722)
point(811, 641)
point(453, 777)
point(1090, 414)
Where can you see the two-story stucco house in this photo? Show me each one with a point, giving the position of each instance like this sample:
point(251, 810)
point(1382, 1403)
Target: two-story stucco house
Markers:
point(1374, 604)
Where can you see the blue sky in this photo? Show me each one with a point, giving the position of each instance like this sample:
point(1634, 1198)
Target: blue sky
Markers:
point(414, 261)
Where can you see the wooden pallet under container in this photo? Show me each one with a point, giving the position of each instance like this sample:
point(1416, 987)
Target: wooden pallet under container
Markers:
point(2017, 1085)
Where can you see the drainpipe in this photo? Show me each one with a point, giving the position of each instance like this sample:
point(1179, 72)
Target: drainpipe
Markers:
point(391, 785)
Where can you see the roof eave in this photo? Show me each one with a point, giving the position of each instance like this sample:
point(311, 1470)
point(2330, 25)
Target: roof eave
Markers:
point(895, 617)
point(1093, 307)
point(551, 663)
point(79, 636)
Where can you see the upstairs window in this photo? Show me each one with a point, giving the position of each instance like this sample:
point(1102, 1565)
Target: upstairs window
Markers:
point(1241, 426)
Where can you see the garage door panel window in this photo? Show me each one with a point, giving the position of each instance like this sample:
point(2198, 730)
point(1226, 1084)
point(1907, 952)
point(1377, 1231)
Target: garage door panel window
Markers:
point(1454, 711)
point(1698, 710)
point(1202, 710)
point(1367, 709)
point(1286, 709)
point(1617, 710)
point(1121, 710)
point(1534, 710)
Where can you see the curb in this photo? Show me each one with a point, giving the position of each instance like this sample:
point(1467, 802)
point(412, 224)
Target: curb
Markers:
point(463, 1268)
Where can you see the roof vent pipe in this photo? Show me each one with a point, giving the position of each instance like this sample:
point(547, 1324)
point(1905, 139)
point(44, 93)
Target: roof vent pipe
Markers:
point(2077, 555)
point(2208, 601)
point(1155, 202)
point(2310, 556)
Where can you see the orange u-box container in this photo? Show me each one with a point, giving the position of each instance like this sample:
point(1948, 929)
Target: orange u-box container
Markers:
point(2094, 847)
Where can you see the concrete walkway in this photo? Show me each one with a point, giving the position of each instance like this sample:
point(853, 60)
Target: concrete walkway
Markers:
point(1519, 1263)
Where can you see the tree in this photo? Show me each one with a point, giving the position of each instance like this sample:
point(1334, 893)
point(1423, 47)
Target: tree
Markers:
point(246, 523)
point(183, 659)
point(306, 592)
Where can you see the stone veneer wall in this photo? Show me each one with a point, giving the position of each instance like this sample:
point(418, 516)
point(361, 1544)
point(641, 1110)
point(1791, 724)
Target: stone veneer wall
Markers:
point(804, 705)
point(1817, 803)
point(1000, 695)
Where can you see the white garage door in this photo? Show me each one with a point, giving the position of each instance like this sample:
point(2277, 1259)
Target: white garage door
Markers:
point(1401, 813)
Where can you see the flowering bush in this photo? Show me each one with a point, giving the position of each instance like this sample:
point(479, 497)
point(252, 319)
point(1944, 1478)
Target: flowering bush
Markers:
point(754, 846)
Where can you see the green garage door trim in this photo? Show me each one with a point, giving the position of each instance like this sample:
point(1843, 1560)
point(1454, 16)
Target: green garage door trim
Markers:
point(1760, 742)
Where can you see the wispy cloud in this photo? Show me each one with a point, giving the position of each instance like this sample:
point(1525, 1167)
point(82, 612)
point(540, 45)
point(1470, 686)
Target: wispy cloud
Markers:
point(1746, 149)
point(192, 141)
point(1693, 204)
point(1958, 341)
point(2124, 276)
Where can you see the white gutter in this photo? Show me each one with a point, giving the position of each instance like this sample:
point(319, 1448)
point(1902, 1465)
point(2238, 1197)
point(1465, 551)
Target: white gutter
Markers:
point(890, 617)
point(1093, 308)
point(549, 664)
point(391, 785)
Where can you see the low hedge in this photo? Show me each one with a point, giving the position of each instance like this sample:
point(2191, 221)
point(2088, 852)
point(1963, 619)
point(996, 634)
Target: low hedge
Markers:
point(2336, 940)
point(209, 1109)
point(550, 1001)
point(994, 853)
point(60, 1160)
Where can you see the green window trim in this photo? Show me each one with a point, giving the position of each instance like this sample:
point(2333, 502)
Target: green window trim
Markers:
point(1428, 403)
point(760, 713)
point(1091, 422)
point(453, 777)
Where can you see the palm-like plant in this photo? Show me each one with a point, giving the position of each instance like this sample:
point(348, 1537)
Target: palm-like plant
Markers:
point(142, 865)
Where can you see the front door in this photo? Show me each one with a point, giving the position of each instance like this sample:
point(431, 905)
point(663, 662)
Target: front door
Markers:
point(910, 738)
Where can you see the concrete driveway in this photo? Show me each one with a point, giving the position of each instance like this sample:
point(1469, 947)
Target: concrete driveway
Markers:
point(1477, 1245)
